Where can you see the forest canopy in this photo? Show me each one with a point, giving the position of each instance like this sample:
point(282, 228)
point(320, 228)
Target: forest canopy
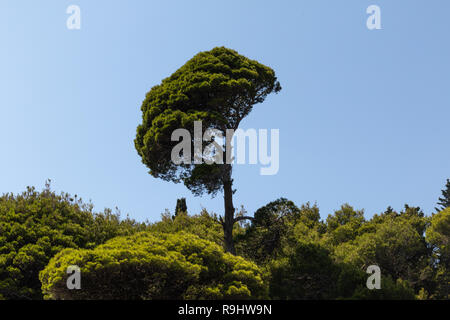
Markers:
point(34, 226)
point(285, 252)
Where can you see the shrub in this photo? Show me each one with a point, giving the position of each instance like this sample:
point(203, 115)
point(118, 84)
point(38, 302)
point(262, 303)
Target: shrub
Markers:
point(154, 266)
point(34, 226)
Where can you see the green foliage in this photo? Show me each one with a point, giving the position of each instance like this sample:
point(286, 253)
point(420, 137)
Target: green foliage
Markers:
point(395, 246)
point(444, 201)
point(297, 255)
point(218, 87)
point(438, 235)
point(203, 225)
point(343, 226)
point(292, 241)
point(277, 225)
point(308, 273)
point(181, 206)
point(34, 226)
point(390, 290)
point(262, 239)
point(154, 266)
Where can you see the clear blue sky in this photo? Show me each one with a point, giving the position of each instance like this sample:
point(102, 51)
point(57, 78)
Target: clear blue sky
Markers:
point(363, 115)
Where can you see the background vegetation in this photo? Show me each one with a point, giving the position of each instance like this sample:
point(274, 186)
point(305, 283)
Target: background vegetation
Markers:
point(285, 252)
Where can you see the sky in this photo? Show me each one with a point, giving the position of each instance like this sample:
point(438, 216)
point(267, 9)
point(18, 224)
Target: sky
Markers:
point(363, 114)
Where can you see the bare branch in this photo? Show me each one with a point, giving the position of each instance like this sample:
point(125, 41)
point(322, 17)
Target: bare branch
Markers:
point(237, 219)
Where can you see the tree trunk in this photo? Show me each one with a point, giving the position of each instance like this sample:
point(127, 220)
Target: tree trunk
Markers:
point(228, 222)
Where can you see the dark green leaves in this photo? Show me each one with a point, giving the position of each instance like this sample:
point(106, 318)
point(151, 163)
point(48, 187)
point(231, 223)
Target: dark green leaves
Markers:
point(219, 88)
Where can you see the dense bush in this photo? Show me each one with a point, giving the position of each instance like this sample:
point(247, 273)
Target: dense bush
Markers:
point(311, 259)
point(394, 242)
point(204, 225)
point(154, 266)
point(390, 290)
point(309, 272)
point(273, 229)
point(438, 234)
point(287, 252)
point(34, 226)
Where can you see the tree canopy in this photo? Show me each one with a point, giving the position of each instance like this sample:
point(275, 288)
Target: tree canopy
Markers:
point(444, 201)
point(285, 252)
point(155, 266)
point(34, 226)
point(181, 206)
point(219, 88)
point(313, 259)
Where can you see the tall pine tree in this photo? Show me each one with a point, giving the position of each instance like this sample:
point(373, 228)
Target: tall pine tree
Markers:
point(444, 201)
point(181, 206)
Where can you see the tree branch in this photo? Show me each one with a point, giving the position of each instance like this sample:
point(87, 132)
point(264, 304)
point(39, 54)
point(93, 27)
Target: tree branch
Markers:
point(237, 219)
